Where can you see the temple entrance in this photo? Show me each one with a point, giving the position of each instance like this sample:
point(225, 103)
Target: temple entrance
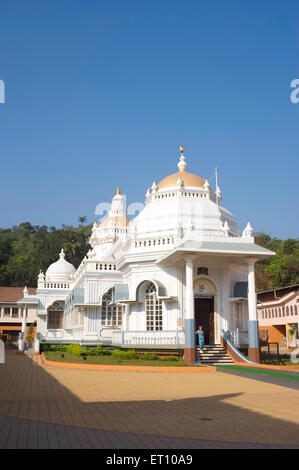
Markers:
point(204, 316)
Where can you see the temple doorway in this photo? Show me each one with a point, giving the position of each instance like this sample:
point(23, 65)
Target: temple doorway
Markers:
point(204, 316)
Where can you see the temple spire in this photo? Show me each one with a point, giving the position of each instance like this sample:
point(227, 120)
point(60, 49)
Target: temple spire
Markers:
point(182, 165)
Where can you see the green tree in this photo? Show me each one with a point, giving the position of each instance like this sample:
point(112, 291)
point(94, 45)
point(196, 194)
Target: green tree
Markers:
point(82, 219)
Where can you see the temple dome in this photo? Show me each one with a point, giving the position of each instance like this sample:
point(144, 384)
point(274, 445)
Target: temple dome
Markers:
point(183, 177)
point(61, 269)
point(188, 179)
point(182, 212)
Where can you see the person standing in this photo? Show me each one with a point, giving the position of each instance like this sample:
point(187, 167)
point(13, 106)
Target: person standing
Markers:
point(201, 337)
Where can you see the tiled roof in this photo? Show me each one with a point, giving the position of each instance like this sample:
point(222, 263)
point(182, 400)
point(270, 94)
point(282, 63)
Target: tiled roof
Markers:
point(13, 294)
point(277, 293)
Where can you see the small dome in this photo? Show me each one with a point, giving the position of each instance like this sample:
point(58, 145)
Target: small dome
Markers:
point(61, 268)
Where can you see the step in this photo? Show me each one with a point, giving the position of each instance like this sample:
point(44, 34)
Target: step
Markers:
point(211, 349)
point(215, 364)
point(212, 353)
point(227, 361)
point(205, 353)
point(214, 356)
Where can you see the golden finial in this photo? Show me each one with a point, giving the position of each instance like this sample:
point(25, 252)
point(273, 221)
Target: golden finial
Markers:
point(118, 190)
point(182, 148)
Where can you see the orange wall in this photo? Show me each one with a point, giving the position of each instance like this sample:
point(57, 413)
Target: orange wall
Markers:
point(17, 328)
point(276, 333)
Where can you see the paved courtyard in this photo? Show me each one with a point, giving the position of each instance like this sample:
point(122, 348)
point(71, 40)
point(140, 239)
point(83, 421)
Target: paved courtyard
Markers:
point(48, 407)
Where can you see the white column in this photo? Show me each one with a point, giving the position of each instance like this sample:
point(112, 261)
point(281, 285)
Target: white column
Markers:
point(252, 310)
point(189, 354)
point(10, 312)
point(189, 290)
point(37, 345)
point(23, 333)
point(24, 320)
point(253, 333)
point(2, 312)
point(125, 322)
point(224, 321)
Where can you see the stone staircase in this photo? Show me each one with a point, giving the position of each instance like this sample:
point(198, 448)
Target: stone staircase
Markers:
point(213, 354)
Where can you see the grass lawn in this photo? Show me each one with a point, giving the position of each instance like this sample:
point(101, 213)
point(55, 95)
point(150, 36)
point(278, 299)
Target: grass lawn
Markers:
point(110, 360)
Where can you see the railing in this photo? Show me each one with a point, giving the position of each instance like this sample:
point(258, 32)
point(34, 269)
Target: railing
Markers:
point(57, 334)
point(105, 267)
point(237, 337)
point(227, 337)
point(148, 338)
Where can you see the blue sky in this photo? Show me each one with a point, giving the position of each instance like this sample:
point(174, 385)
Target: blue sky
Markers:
point(102, 93)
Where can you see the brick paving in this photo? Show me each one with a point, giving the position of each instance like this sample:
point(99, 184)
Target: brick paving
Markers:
point(49, 407)
point(26, 434)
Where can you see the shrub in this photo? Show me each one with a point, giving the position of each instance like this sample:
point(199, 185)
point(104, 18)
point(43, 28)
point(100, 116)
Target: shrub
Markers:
point(104, 352)
point(148, 356)
point(131, 354)
point(83, 352)
point(74, 349)
point(170, 358)
point(91, 352)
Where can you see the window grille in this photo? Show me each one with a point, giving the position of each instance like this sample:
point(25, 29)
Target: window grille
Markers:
point(111, 315)
point(153, 309)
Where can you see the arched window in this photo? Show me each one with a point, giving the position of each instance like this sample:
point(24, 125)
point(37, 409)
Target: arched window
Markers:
point(55, 316)
point(283, 311)
point(291, 310)
point(279, 311)
point(111, 314)
point(153, 309)
point(295, 310)
point(275, 312)
point(287, 311)
point(263, 315)
point(272, 312)
point(266, 313)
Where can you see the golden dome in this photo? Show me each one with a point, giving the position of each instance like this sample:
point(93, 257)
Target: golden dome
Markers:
point(188, 179)
point(115, 221)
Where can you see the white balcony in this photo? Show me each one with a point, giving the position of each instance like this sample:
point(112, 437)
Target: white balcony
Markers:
point(148, 338)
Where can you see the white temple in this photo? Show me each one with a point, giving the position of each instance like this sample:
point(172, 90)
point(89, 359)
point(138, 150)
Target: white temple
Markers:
point(151, 281)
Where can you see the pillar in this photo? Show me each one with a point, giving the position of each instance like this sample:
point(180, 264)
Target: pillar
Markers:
point(37, 344)
point(125, 322)
point(253, 330)
point(189, 351)
point(23, 333)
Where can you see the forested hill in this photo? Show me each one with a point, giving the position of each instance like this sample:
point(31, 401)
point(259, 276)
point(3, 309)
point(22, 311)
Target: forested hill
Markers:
point(25, 249)
point(282, 269)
